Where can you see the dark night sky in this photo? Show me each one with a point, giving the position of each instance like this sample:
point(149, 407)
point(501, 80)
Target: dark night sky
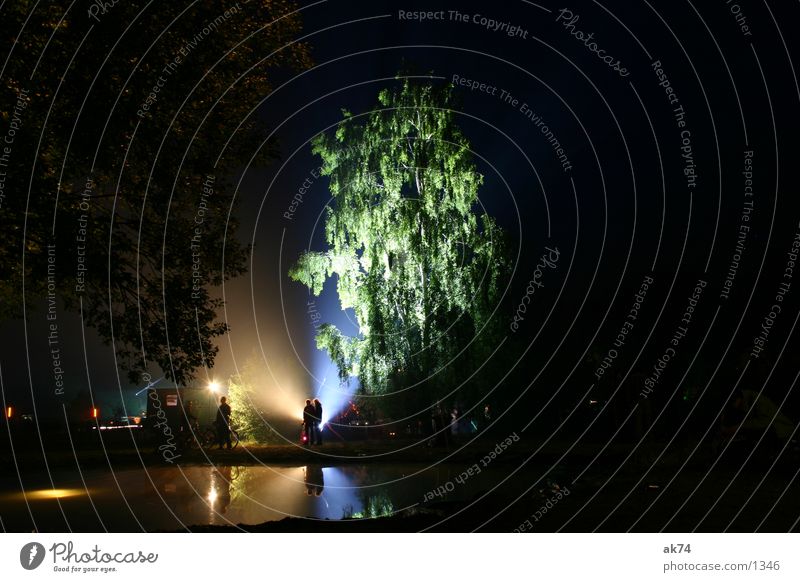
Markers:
point(631, 214)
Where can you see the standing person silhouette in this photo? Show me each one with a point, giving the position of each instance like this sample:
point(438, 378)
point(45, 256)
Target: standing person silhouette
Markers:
point(223, 423)
point(308, 422)
point(317, 421)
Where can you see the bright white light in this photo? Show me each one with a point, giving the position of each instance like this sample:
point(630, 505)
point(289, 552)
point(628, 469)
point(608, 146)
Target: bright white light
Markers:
point(214, 386)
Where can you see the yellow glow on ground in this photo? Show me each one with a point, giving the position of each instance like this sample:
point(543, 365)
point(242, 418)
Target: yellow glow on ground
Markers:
point(54, 493)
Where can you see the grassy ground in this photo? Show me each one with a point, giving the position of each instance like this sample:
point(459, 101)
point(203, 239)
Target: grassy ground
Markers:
point(27, 454)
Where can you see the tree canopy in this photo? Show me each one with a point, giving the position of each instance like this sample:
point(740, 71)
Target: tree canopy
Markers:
point(410, 248)
point(130, 120)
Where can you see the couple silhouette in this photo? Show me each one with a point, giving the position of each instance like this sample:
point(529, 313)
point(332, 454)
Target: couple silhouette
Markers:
point(312, 419)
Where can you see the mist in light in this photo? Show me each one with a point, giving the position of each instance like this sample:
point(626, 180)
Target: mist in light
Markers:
point(331, 392)
point(325, 383)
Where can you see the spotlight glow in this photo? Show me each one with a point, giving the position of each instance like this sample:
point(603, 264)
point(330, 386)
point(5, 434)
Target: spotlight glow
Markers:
point(333, 395)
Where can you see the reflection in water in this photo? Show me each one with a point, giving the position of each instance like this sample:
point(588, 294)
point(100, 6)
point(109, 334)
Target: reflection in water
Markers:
point(314, 480)
point(172, 498)
point(55, 493)
point(377, 505)
point(219, 495)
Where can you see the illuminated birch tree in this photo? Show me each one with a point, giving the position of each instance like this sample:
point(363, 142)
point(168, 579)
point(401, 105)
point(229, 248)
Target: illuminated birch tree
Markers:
point(412, 253)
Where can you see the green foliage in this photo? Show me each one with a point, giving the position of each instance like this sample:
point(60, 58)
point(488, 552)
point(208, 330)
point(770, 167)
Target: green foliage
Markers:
point(374, 506)
point(342, 349)
point(411, 255)
point(246, 413)
point(84, 121)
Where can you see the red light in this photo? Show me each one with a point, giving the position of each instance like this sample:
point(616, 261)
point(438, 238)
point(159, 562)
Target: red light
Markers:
point(94, 413)
point(9, 412)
